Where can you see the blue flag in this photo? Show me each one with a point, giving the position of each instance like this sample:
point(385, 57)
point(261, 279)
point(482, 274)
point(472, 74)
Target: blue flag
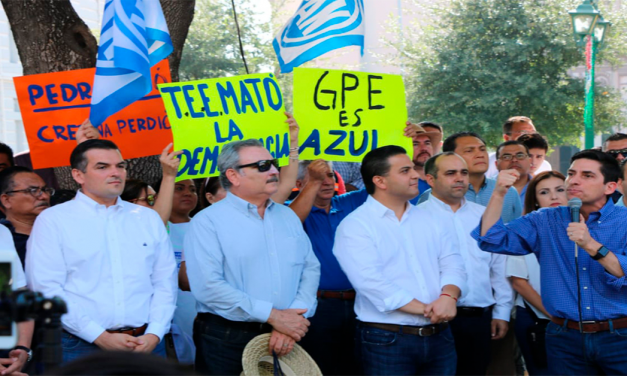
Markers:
point(319, 26)
point(134, 37)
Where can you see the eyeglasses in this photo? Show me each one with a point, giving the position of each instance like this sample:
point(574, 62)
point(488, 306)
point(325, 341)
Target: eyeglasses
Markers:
point(517, 156)
point(616, 153)
point(150, 199)
point(34, 191)
point(263, 165)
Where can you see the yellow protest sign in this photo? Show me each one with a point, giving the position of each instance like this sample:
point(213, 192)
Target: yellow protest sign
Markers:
point(343, 115)
point(206, 114)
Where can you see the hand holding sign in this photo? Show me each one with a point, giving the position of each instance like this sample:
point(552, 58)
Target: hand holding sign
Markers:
point(170, 161)
point(86, 132)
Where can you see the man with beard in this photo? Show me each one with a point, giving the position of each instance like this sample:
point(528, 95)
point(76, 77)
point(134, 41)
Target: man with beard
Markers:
point(424, 143)
point(515, 155)
point(585, 296)
point(483, 314)
point(23, 196)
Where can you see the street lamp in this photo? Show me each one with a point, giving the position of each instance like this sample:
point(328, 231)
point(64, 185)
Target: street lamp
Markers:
point(590, 28)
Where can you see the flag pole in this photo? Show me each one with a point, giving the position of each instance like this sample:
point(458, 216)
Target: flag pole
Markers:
point(239, 37)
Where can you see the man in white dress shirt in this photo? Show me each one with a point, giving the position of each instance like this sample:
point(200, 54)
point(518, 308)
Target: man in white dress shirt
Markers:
point(110, 260)
point(406, 272)
point(484, 312)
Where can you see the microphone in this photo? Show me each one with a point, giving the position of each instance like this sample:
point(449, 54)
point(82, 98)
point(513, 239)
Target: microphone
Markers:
point(574, 204)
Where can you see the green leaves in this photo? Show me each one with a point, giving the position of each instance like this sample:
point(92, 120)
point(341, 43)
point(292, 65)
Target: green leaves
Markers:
point(493, 59)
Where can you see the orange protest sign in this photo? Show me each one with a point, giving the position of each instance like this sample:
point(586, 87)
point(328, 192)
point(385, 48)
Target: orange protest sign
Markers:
point(53, 106)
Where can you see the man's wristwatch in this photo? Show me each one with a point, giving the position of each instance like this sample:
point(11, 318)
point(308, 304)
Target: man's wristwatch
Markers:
point(602, 252)
point(27, 350)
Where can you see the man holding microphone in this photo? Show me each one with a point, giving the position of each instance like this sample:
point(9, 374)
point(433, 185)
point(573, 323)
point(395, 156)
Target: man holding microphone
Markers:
point(588, 332)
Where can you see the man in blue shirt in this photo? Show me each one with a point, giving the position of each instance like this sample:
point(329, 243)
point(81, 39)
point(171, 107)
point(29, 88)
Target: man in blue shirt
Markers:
point(332, 329)
point(250, 264)
point(588, 332)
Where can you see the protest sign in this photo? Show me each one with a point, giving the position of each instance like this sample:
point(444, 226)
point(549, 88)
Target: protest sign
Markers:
point(207, 114)
point(53, 106)
point(343, 115)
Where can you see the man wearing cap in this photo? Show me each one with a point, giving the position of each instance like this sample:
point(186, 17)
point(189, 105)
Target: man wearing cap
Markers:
point(250, 264)
point(406, 271)
point(483, 314)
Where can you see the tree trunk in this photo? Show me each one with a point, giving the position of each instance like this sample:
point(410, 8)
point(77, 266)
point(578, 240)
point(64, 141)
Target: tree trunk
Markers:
point(51, 37)
point(178, 15)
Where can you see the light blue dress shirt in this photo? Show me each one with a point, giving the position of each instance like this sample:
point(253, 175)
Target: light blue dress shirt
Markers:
point(512, 208)
point(240, 265)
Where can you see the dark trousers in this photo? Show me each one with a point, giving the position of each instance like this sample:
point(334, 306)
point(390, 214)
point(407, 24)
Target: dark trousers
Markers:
point(389, 353)
point(523, 322)
point(331, 337)
point(605, 352)
point(220, 343)
point(472, 333)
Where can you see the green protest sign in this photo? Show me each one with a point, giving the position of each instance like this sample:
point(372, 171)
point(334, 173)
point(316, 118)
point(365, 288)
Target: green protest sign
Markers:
point(343, 115)
point(206, 114)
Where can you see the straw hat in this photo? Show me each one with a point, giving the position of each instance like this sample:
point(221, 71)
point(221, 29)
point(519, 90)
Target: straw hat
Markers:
point(257, 361)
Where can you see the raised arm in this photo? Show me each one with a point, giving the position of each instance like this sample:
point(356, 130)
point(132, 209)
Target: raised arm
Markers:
point(289, 173)
point(170, 166)
point(303, 203)
point(504, 181)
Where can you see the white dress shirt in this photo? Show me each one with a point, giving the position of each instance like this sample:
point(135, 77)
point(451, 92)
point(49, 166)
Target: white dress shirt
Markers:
point(17, 272)
point(114, 266)
point(493, 171)
point(240, 265)
point(526, 267)
point(487, 284)
point(391, 262)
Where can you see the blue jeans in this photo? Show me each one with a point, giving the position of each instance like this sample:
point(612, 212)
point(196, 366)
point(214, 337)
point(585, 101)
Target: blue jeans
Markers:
point(331, 337)
point(74, 347)
point(523, 322)
point(388, 353)
point(605, 352)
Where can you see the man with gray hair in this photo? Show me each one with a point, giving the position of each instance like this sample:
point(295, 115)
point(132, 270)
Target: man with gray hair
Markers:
point(332, 330)
point(250, 265)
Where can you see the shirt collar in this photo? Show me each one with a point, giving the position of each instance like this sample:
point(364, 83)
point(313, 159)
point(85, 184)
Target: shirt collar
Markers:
point(444, 206)
point(483, 186)
point(244, 206)
point(381, 210)
point(607, 208)
point(89, 202)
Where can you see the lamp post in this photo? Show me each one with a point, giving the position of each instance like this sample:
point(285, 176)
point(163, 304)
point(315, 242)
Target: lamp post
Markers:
point(589, 29)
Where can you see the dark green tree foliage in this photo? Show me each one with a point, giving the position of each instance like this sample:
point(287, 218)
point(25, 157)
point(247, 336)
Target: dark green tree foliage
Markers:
point(488, 60)
point(212, 49)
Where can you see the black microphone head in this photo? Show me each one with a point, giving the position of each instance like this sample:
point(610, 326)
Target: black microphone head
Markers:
point(574, 202)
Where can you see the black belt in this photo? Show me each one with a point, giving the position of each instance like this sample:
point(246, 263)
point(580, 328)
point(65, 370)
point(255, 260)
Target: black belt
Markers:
point(473, 311)
point(260, 327)
point(422, 331)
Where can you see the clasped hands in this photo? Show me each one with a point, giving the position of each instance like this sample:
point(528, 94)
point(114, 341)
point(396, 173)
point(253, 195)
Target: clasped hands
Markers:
point(289, 326)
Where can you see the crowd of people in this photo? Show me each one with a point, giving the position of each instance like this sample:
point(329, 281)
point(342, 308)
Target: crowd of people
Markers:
point(452, 262)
